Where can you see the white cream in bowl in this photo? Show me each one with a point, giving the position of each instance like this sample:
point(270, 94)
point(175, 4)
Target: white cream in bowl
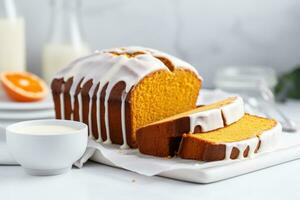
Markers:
point(45, 129)
point(47, 147)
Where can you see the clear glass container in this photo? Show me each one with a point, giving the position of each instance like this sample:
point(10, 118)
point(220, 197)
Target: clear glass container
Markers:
point(245, 80)
point(12, 38)
point(65, 42)
point(256, 85)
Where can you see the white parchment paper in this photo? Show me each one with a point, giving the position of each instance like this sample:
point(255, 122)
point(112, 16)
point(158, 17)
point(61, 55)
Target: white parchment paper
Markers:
point(134, 161)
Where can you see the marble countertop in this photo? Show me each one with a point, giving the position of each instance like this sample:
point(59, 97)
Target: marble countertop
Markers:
point(96, 181)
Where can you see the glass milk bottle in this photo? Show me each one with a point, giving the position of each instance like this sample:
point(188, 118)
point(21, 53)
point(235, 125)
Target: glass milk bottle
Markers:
point(12, 38)
point(65, 42)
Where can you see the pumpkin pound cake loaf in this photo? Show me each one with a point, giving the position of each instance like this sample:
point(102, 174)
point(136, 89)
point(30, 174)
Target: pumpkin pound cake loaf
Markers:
point(162, 138)
point(250, 135)
point(116, 91)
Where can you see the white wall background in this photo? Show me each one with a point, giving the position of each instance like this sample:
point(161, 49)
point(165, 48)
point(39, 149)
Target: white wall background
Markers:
point(207, 33)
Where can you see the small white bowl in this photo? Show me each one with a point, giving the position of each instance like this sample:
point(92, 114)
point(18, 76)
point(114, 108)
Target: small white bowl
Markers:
point(50, 153)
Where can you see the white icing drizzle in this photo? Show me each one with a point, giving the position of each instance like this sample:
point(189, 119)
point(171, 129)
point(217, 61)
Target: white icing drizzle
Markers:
point(208, 120)
point(108, 140)
point(242, 146)
point(62, 106)
point(213, 119)
point(98, 117)
point(268, 140)
point(125, 145)
point(228, 150)
point(79, 97)
point(72, 107)
point(103, 67)
point(234, 111)
point(91, 136)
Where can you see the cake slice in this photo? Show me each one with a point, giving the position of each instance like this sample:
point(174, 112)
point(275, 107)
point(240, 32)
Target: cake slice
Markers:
point(251, 134)
point(162, 138)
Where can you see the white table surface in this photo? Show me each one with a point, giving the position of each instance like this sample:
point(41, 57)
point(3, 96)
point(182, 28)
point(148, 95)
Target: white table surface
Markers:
point(95, 181)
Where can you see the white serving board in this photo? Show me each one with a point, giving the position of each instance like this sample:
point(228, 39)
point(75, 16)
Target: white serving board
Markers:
point(204, 172)
point(213, 174)
point(26, 115)
point(8, 104)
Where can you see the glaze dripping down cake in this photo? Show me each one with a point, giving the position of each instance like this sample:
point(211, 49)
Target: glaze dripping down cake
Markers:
point(250, 135)
point(162, 138)
point(117, 91)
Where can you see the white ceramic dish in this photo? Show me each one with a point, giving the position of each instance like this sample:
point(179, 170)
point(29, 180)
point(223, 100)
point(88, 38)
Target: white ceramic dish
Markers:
point(7, 104)
point(48, 153)
point(5, 123)
point(32, 114)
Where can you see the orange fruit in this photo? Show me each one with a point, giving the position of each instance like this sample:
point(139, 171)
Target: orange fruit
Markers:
point(23, 86)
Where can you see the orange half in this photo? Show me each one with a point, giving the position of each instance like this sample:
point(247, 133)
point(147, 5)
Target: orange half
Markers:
point(23, 86)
